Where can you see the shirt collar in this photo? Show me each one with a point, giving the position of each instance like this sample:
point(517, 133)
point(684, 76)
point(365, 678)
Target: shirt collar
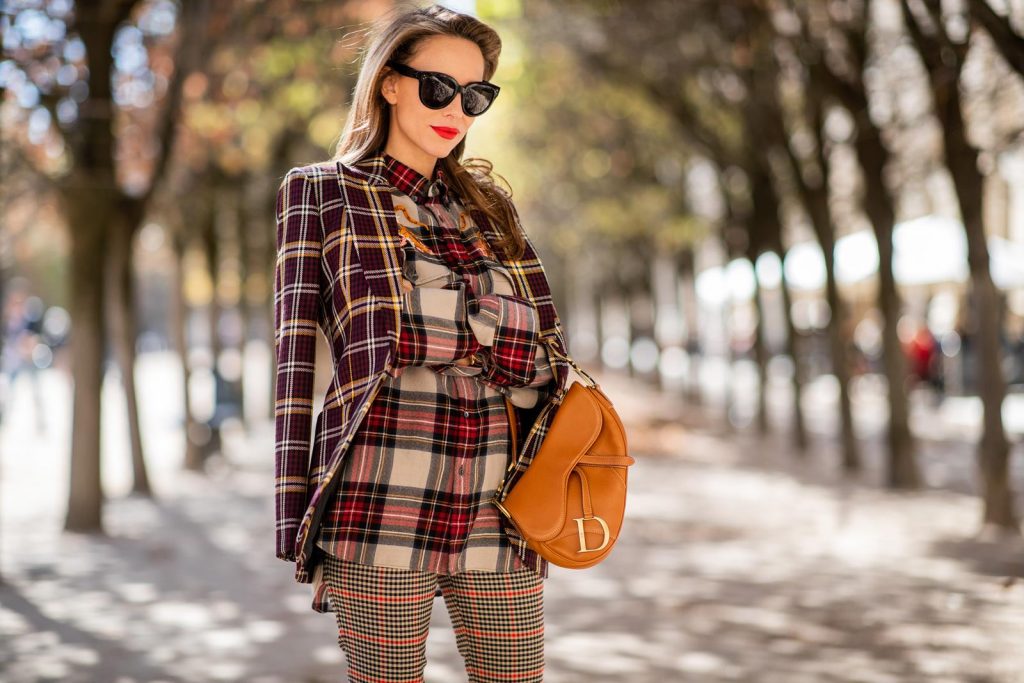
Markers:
point(414, 183)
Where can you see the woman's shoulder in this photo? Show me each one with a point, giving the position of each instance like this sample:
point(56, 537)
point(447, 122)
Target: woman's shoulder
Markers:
point(314, 172)
point(315, 182)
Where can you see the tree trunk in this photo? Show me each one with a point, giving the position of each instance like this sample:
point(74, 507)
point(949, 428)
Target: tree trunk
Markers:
point(816, 203)
point(944, 59)
point(242, 232)
point(840, 359)
point(193, 459)
point(766, 229)
point(124, 332)
point(691, 313)
point(814, 195)
point(729, 374)
point(212, 252)
point(993, 449)
point(89, 199)
point(641, 323)
point(88, 208)
point(761, 357)
point(270, 259)
point(878, 205)
point(793, 349)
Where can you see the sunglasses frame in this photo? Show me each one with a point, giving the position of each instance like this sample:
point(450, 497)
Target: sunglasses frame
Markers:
point(422, 76)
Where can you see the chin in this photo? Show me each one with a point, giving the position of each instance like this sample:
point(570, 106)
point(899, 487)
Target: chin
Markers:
point(442, 148)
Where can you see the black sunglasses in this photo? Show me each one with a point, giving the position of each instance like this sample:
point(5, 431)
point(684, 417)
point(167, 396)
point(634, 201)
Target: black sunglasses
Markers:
point(437, 90)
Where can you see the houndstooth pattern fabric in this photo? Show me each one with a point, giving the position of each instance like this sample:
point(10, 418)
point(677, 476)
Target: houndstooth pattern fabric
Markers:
point(383, 618)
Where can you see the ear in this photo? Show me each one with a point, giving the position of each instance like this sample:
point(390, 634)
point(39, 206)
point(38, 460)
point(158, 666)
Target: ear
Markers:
point(389, 87)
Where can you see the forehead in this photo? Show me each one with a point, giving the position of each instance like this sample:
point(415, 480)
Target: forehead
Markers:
point(457, 57)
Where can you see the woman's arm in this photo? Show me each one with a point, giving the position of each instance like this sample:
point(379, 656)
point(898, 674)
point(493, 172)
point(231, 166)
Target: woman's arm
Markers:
point(434, 327)
point(438, 329)
point(296, 316)
point(507, 325)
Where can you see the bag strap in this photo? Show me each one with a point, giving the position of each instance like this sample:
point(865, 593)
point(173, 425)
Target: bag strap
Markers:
point(512, 420)
point(589, 381)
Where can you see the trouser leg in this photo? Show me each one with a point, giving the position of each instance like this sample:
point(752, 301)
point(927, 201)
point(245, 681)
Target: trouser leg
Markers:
point(383, 616)
point(499, 623)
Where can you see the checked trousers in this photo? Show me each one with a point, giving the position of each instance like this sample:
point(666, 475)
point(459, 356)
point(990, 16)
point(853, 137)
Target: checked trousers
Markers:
point(383, 616)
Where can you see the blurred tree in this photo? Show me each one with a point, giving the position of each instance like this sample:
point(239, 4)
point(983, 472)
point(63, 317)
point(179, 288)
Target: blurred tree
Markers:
point(270, 94)
point(604, 167)
point(108, 81)
point(1009, 43)
point(834, 48)
point(86, 70)
point(795, 118)
point(943, 40)
point(707, 81)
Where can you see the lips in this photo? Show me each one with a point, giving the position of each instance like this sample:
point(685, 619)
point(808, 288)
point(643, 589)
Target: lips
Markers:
point(446, 133)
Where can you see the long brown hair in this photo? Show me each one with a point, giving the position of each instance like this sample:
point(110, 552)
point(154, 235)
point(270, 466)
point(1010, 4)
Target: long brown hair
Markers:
point(396, 36)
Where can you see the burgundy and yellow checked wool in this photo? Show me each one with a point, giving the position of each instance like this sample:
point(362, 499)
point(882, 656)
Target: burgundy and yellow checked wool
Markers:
point(417, 486)
point(339, 269)
point(383, 617)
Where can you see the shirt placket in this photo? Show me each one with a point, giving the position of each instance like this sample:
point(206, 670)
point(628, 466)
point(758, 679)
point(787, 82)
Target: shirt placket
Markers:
point(463, 389)
point(461, 486)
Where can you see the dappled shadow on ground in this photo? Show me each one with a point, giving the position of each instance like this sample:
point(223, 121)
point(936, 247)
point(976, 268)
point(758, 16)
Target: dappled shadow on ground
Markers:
point(738, 562)
point(995, 557)
point(758, 578)
point(179, 590)
point(741, 560)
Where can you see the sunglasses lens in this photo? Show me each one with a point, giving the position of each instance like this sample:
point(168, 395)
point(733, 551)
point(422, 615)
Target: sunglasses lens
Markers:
point(436, 92)
point(476, 99)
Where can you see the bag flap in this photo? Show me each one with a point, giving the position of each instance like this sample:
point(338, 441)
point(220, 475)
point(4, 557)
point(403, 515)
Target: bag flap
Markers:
point(537, 501)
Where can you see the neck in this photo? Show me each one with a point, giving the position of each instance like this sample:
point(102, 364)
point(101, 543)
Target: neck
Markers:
point(413, 157)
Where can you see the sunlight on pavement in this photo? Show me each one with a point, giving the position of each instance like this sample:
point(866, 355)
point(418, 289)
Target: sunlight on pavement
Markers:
point(734, 564)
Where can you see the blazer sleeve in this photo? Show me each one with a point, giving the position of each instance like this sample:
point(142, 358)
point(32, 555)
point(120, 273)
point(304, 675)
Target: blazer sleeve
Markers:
point(551, 373)
point(296, 317)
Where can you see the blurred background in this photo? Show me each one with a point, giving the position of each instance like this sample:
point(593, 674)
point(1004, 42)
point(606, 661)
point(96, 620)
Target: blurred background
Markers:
point(787, 237)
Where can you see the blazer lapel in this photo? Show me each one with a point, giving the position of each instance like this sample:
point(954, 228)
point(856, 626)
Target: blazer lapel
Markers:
point(370, 215)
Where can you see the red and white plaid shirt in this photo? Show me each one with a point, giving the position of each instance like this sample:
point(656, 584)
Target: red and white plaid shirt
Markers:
point(417, 483)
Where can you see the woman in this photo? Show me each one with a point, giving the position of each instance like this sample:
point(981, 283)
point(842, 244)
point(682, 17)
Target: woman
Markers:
point(439, 316)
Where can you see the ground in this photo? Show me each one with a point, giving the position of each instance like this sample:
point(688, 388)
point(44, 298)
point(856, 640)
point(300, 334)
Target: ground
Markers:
point(739, 560)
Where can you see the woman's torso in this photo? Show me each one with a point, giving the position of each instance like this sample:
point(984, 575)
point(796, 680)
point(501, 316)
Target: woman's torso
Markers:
point(416, 487)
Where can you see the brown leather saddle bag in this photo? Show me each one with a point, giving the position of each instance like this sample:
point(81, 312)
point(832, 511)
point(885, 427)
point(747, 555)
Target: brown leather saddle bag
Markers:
point(570, 502)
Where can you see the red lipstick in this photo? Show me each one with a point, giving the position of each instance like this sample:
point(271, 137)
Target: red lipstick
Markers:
point(446, 133)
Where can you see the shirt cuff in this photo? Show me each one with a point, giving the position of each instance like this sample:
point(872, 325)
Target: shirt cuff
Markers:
point(506, 324)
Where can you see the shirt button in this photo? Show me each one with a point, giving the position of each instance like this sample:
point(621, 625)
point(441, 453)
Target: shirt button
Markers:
point(465, 413)
point(460, 470)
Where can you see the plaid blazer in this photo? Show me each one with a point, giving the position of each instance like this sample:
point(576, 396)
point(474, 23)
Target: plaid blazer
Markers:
point(338, 269)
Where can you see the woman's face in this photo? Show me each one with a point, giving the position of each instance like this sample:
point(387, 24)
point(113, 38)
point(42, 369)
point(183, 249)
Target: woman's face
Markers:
point(415, 131)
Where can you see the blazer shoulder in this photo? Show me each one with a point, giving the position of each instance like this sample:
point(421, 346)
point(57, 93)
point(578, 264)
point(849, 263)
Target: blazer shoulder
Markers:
point(322, 176)
point(314, 172)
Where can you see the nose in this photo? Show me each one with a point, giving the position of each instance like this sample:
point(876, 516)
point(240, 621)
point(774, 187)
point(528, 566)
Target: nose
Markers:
point(456, 104)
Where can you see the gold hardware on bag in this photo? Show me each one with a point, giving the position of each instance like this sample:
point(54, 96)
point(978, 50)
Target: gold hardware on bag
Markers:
point(583, 541)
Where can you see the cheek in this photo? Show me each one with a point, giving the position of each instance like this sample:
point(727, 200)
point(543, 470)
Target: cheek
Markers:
point(410, 110)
